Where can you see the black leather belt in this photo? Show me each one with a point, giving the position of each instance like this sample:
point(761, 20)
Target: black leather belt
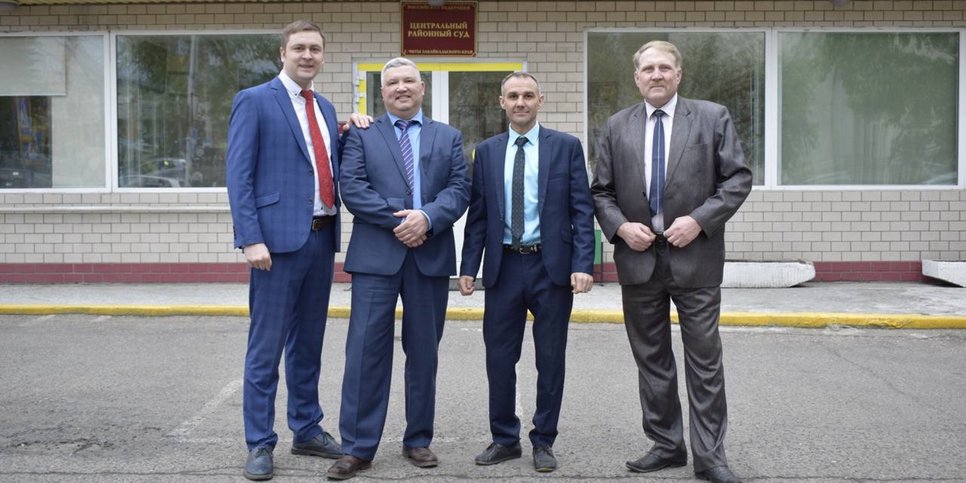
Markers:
point(320, 222)
point(523, 249)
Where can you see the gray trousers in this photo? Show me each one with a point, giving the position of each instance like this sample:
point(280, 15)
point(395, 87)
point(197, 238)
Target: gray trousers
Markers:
point(648, 323)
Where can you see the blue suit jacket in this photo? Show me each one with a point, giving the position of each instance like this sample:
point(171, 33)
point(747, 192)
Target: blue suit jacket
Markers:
point(374, 186)
point(564, 202)
point(270, 178)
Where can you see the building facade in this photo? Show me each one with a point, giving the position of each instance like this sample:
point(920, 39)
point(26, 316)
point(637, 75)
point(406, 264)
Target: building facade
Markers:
point(113, 118)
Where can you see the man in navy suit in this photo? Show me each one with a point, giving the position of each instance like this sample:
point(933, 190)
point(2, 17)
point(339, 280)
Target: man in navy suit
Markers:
point(404, 179)
point(282, 174)
point(539, 252)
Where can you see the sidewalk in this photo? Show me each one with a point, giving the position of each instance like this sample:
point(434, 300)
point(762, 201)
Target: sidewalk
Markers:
point(888, 305)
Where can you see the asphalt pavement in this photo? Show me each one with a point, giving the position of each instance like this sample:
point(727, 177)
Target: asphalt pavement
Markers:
point(121, 398)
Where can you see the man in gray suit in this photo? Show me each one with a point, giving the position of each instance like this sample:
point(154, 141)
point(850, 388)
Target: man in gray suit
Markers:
point(670, 173)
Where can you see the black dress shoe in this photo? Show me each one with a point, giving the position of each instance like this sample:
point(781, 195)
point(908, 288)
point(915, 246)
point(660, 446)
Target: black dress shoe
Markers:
point(323, 445)
point(652, 462)
point(497, 453)
point(347, 467)
point(421, 457)
point(543, 459)
point(259, 464)
point(717, 474)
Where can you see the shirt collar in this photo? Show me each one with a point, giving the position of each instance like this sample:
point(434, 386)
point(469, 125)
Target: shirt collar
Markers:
point(291, 86)
point(418, 117)
point(667, 108)
point(531, 135)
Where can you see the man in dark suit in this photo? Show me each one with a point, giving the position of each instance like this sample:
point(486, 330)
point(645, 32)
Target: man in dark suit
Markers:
point(281, 174)
point(531, 213)
point(404, 180)
point(670, 173)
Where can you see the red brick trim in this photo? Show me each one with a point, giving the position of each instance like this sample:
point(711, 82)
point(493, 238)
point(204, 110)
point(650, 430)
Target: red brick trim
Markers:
point(238, 272)
point(869, 272)
point(827, 272)
point(132, 273)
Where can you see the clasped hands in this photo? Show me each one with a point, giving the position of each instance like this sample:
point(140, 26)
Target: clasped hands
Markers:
point(413, 229)
point(639, 236)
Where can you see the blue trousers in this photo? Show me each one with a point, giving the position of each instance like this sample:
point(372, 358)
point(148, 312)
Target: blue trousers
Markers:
point(522, 285)
point(288, 307)
point(369, 349)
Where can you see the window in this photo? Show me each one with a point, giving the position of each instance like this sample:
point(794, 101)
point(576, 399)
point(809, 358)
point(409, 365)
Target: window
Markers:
point(174, 96)
point(724, 67)
point(868, 108)
point(52, 112)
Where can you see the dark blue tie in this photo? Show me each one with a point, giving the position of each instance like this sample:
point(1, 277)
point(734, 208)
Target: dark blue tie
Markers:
point(656, 195)
point(407, 149)
point(516, 203)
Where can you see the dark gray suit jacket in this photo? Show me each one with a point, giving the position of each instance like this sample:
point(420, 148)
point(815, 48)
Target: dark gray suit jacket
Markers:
point(706, 178)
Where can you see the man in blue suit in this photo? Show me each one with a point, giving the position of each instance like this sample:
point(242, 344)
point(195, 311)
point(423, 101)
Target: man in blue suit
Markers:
point(405, 181)
point(282, 172)
point(531, 214)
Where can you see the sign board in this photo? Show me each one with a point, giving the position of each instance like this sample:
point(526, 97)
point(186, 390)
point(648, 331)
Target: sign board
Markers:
point(448, 30)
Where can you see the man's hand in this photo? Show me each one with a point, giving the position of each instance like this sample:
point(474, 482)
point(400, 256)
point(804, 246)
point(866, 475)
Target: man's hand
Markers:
point(581, 282)
point(682, 232)
point(257, 256)
point(637, 235)
point(412, 231)
point(360, 120)
point(466, 285)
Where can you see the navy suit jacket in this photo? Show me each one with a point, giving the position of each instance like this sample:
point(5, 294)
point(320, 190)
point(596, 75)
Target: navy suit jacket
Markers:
point(270, 179)
point(564, 203)
point(374, 186)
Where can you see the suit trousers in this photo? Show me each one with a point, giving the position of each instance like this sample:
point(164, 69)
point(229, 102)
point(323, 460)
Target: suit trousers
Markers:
point(288, 306)
point(648, 325)
point(522, 285)
point(369, 348)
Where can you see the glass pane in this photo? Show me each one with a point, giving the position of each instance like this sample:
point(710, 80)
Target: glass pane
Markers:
point(724, 67)
point(52, 132)
point(174, 95)
point(868, 108)
point(375, 106)
point(474, 107)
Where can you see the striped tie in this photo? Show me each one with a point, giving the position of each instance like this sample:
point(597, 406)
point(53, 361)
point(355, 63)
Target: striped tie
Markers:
point(407, 149)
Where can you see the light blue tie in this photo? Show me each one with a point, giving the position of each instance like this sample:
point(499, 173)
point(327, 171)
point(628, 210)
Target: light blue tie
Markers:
point(656, 195)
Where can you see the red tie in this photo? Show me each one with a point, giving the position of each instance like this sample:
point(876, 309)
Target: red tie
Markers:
point(326, 190)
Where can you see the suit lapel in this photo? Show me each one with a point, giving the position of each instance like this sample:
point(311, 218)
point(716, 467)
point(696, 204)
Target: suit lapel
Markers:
point(680, 131)
point(635, 134)
point(499, 173)
point(285, 104)
point(543, 168)
point(427, 135)
point(389, 136)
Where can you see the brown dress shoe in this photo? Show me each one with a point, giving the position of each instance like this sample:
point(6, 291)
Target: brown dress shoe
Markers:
point(421, 457)
point(347, 467)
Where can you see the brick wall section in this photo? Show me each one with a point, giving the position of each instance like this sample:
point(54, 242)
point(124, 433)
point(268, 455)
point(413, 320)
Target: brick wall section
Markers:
point(869, 232)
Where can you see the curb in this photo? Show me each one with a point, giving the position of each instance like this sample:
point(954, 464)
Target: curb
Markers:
point(735, 319)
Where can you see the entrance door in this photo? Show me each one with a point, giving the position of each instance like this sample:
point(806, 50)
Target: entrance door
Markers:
point(464, 95)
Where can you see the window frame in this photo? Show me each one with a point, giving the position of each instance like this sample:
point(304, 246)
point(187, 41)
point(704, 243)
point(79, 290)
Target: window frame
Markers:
point(114, 161)
point(773, 99)
point(108, 118)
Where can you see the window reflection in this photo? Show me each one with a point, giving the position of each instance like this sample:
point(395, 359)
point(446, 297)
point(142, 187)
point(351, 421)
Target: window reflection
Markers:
point(174, 95)
point(52, 112)
point(724, 67)
point(869, 108)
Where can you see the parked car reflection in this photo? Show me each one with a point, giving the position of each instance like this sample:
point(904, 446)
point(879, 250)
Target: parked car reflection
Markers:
point(147, 181)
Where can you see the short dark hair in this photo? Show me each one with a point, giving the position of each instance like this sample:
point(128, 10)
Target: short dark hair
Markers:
point(300, 26)
point(519, 75)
